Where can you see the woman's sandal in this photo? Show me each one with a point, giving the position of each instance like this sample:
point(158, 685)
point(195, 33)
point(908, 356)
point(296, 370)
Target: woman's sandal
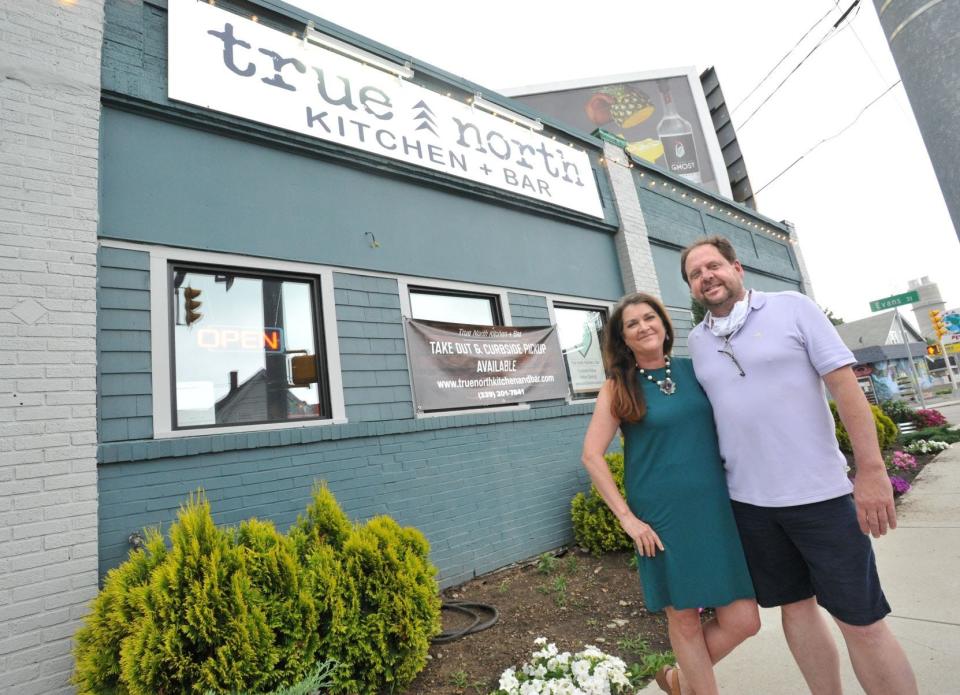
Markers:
point(663, 680)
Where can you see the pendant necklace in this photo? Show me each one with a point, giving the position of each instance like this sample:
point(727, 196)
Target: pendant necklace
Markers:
point(667, 386)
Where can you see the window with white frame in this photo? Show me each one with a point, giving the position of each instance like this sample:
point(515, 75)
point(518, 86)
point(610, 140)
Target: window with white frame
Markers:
point(245, 347)
point(580, 329)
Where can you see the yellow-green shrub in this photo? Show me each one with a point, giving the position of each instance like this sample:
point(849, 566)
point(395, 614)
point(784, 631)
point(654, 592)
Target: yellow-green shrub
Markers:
point(390, 602)
point(286, 599)
point(594, 525)
point(886, 429)
point(204, 625)
point(112, 619)
point(253, 610)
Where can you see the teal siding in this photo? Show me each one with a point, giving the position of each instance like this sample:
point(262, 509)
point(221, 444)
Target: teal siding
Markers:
point(674, 223)
point(528, 309)
point(510, 475)
point(125, 406)
point(531, 310)
point(682, 324)
point(373, 358)
point(673, 290)
point(167, 184)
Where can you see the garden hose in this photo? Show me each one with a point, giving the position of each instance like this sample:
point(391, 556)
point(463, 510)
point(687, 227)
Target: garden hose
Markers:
point(470, 609)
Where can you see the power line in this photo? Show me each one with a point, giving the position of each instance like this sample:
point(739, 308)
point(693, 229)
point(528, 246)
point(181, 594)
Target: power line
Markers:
point(828, 139)
point(780, 62)
point(822, 41)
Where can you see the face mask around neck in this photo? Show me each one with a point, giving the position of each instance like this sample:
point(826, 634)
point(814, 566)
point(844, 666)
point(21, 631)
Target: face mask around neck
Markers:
point(723, 326)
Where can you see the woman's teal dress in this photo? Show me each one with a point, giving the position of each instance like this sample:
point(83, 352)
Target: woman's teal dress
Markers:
point(675, 482)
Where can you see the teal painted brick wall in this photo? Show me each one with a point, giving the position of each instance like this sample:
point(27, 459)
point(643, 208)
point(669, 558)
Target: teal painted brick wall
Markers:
point(125, 407)
point(485, 495)
point(373, 358)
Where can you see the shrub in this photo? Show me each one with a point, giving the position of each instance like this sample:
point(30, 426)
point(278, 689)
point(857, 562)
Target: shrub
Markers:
point(390, 602)
point(112, 619)
point(318, 679)
point(898, 411)
point(253, 610)
point(886, 429)
point(286, 598)
point(936, 434)
point(204, 627)
point(928, 417)
point(594, 525)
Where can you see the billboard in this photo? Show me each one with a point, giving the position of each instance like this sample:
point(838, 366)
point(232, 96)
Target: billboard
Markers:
point(662, 115)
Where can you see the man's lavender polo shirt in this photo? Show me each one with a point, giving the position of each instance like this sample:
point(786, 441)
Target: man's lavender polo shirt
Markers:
point(776, 432)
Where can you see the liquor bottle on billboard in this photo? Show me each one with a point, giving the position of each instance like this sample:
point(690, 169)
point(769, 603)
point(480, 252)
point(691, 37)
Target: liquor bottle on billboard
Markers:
point(676, 135)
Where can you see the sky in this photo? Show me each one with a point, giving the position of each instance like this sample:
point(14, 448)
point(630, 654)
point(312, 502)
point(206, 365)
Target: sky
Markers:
point(866, 203)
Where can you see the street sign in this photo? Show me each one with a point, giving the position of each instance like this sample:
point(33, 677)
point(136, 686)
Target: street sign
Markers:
point(952, 348)
point(895, 300)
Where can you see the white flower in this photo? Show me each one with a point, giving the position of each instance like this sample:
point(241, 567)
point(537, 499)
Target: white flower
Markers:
point(550, 672)
point(508, 680)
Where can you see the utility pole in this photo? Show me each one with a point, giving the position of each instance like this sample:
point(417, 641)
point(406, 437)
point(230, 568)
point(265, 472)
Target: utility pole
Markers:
point(923, 39)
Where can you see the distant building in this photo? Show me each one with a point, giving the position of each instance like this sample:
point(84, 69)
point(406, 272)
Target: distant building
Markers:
point(881, 352)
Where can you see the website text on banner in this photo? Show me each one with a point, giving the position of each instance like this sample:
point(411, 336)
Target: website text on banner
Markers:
point(467, 366)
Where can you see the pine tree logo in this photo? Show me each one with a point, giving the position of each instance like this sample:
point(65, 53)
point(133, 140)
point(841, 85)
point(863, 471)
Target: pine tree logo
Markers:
point(425, 117)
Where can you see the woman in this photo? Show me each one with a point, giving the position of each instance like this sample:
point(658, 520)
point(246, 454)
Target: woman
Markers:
point(677, 510)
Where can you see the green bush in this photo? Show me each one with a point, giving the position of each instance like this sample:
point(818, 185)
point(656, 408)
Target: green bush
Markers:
point(318, 679)
point(886, 429)
point(939, 434)
point(898, 411)
point(112, 619)
point(286, 598)
point(391, 606)
point(205, 626)
point(253, 610)
point(594, 525)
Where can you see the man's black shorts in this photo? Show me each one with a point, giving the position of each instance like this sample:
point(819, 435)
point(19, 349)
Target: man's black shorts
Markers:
point(809, 550)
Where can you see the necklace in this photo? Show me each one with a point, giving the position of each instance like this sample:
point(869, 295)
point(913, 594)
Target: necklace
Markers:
point(667, 386)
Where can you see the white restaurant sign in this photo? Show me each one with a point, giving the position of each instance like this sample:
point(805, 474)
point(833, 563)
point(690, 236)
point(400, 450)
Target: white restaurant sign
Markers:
point(222, 61)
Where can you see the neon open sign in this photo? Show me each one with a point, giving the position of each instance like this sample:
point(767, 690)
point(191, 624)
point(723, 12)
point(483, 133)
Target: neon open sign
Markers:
point(229, 338)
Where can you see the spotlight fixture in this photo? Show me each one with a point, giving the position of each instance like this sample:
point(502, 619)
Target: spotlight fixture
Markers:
point(404, 71)
point(503, 112)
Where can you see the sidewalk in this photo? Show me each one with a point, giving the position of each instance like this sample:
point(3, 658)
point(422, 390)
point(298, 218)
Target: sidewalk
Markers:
point(919, 566)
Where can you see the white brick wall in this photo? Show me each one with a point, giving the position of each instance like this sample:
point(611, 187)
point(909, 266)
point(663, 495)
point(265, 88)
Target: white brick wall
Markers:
point(632, 241)
point(49, 130)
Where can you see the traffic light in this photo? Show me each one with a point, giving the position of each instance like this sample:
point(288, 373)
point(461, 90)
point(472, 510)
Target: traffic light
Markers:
point(933, 351)
point(191, 305)
point(936, 320)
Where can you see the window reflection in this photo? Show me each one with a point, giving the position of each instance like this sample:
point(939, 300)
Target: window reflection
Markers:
point(453, 308)
point(580, 330)
point(244, 349)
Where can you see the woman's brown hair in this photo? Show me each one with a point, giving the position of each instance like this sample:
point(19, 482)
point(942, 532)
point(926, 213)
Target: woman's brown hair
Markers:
point(628, 404)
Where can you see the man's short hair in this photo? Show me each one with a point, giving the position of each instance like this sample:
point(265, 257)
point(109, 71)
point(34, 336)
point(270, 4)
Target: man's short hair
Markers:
point(722, 244)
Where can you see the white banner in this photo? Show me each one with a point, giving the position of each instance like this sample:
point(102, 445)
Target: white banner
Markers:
point(222, 61)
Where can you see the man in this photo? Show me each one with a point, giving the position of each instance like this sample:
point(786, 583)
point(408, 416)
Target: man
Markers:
point(763, 359)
